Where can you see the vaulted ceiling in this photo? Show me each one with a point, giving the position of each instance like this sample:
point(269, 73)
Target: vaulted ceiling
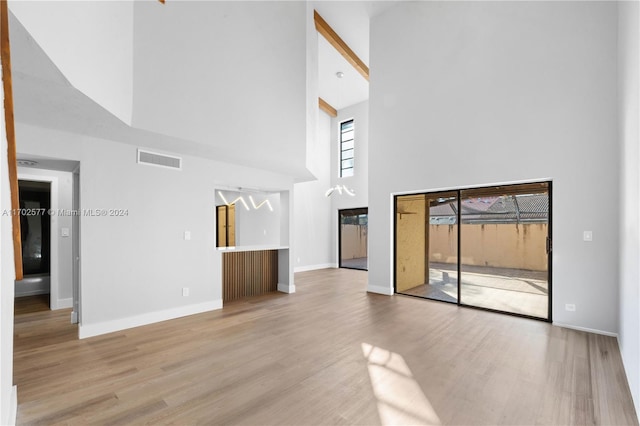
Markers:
point(220, 80)
point(350, 20)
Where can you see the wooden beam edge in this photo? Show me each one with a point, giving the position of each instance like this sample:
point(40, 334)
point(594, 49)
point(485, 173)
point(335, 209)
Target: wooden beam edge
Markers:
point(334, 39)
point(12, 161)
point(324, 105)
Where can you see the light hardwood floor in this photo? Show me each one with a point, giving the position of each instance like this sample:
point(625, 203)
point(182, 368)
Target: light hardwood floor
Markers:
point(328, 354)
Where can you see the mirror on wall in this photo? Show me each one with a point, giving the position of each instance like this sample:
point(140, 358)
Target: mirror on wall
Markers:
point(247, 218)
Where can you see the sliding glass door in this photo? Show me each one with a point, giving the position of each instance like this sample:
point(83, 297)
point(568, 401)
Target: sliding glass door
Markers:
point(353, 238)
point(427, 246)
point(482, 247)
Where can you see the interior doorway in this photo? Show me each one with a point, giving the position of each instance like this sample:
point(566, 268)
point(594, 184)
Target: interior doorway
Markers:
point(35, 229)
point(486, 248)
point(60, 217)
point(353, 238)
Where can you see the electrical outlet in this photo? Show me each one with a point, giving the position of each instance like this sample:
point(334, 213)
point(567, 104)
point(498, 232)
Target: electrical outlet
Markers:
point(185, 291)
point(570, 307)
point(187, 235)
point(587, 236)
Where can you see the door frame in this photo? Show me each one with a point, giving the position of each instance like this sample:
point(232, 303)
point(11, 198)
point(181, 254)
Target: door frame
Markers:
point(76, 313)
point(394, 224)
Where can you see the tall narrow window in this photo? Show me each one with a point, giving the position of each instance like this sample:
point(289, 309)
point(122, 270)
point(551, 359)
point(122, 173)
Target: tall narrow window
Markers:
point(346, 148)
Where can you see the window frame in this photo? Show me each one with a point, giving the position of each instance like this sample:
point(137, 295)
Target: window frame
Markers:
point(341, 141)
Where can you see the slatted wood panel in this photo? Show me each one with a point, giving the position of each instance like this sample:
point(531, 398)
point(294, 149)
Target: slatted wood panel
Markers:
point(249, 273)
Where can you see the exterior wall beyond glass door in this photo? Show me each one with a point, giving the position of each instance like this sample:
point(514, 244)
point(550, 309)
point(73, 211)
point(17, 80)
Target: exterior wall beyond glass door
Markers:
point(353, 238)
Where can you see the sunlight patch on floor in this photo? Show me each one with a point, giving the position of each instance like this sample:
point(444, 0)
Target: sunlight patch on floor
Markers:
point(399, 397)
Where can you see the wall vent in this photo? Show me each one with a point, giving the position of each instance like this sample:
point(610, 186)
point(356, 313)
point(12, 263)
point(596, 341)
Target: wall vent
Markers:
point(160, 160)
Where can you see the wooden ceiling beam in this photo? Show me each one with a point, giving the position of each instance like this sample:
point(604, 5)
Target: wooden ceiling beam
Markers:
point(324, 105)
point(5, 56)
point(334, 40)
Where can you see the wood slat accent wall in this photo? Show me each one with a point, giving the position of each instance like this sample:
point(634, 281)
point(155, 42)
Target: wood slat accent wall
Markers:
point(249, 273)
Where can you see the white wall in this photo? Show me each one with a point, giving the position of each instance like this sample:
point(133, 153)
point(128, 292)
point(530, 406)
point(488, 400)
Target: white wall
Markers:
point(259, 226)
point(312, 218)
point(228, 74)
point(8, 401)
point(316, 216)
point(359, 182)
point(133, 267)
point(489, 92)
point(629, 92)
point(63, 249)
point(91, 42)
point(314, 146)
point(255, 227)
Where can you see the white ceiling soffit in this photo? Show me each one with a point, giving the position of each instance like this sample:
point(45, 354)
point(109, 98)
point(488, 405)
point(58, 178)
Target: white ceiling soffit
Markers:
point(44, 98)
point(48, 163)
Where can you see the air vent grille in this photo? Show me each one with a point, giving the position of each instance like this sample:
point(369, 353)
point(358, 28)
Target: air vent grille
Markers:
point(160, 160)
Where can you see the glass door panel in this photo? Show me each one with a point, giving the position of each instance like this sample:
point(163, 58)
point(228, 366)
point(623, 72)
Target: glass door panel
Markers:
point(427, 245)
point(354, 238)
point(411, 265)
point(503, 242)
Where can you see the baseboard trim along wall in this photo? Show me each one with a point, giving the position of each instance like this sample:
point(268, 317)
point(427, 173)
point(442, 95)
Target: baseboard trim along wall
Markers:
point(65, 303)
point(588, 330)
point(315, 267)
point(286, 288)
point(12, 417)
point(90, 330)
point(380, 290)
point(31, 292)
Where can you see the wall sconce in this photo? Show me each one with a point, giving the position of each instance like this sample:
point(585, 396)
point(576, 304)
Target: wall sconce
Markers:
point(340, 188)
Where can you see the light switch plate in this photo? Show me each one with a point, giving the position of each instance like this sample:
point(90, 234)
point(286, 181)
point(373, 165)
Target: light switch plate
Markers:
point(587, 236)
point(187, 235)
point(64, 232)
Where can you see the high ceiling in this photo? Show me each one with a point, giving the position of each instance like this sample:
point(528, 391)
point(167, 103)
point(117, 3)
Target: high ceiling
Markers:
point(184, 101)
point(350, 20)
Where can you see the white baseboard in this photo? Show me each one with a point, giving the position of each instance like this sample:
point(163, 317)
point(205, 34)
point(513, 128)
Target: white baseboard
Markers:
point(286, 288)
point(588, 330)
point(315, 267)
point(380, 290)
point(624, 365)
point(64, 303)
point(12, 417)
point(31, 292)
point(90, 330)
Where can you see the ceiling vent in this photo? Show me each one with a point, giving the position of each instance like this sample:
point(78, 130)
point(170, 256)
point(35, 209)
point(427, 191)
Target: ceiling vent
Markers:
point(159, 160)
